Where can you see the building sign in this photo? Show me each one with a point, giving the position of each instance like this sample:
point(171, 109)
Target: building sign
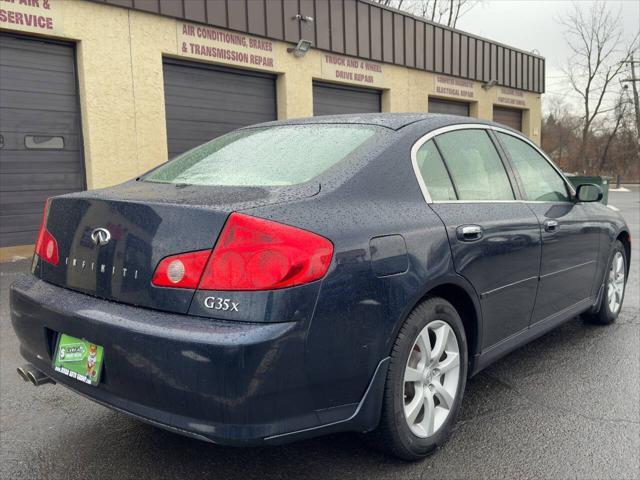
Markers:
point(213, 44)
point(351, 70)
point(509, 96)
point(38, 16)
point(453, 87)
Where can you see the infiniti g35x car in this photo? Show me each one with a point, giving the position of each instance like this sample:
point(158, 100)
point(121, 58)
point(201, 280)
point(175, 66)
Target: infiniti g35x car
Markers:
point(302, 277)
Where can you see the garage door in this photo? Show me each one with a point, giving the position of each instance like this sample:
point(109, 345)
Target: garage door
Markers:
point(40, 141)
point(510, 117)
point(450, 107)
point(329, 99)
point(203, 102)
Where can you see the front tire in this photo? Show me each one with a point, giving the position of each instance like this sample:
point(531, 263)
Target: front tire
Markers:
point(425, 381)
point(615, 282)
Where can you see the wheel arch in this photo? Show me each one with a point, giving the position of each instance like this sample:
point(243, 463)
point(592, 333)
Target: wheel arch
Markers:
point(463, 297)
point(625, 238)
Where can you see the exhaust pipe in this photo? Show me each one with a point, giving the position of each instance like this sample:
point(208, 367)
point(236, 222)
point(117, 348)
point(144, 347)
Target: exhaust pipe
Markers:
point(35, 376)
point(22, 371)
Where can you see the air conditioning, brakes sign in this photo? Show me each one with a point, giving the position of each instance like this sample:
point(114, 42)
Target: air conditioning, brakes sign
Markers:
point(213, 44)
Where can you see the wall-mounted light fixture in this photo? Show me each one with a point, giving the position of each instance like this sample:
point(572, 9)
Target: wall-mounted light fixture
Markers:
point(489, 84)
point(301, 49)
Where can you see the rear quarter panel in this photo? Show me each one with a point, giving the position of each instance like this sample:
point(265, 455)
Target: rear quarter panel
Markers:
point(359, 308)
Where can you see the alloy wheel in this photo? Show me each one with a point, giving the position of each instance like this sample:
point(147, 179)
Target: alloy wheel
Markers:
point(431, 378)
point(615, 288)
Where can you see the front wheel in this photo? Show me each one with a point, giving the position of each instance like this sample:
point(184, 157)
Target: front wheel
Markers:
point(615, 282)
point(425, 381)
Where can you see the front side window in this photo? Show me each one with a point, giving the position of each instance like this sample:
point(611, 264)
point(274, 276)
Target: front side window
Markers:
point(476, 169)
point(540, 180)
point(273, 156)
point(434, 173)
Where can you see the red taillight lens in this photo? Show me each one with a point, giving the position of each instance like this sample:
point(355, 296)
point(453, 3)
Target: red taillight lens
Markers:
point(257, 254)
point(181, 271)
point(46, 244)
point(251, 254)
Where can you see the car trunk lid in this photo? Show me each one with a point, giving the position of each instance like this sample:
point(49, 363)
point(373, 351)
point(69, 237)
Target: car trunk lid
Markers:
point(145, 222)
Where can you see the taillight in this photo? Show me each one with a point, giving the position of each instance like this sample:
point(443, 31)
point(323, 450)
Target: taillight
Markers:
point(251, 254)
point(46, 244)
point(257, 254)
point(181, 271)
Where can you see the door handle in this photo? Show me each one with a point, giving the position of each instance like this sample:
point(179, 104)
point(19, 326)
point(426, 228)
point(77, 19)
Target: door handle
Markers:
point(551, 226)
point(469, 233)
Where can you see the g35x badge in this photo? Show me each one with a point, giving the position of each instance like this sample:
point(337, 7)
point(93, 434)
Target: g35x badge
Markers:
point(224, 304)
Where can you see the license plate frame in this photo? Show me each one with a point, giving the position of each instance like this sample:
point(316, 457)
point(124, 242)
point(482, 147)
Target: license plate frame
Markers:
point(79, 359)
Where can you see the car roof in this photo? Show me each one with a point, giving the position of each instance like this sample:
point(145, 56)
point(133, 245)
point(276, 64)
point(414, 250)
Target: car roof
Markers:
point(394, 121)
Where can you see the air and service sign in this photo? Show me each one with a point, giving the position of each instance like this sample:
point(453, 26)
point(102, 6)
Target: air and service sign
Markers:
point(37, 16)
point(213, 44)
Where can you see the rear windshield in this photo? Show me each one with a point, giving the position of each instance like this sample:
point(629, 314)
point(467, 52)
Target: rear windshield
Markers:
point(272, 156)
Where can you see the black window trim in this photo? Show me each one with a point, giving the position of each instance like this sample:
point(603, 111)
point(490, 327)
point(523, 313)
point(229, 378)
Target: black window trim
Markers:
point(446, 168)
point(515, 190)
point(512, 173)
point(567, 185)
point(468, 126)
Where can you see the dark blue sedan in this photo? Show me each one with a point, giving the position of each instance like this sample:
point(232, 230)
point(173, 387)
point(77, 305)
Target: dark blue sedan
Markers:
point(297, 278)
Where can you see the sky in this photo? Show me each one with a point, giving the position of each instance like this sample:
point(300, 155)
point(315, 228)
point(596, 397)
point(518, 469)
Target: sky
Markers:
point(533, 25)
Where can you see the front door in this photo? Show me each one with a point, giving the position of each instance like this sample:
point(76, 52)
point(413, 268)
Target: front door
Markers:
point(495, 240)
point(569, 242)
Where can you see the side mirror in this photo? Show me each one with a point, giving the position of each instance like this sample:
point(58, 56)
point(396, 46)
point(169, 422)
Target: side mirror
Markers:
point(589, 192)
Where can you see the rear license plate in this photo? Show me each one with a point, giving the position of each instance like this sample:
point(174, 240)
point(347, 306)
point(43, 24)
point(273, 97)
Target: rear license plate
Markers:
point(79, 359)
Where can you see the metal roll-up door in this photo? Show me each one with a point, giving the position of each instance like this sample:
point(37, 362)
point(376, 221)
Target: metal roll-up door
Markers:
point(450, 107)
point(40, 138)
point(330, 99)
point(203, 102)
point(511, 117)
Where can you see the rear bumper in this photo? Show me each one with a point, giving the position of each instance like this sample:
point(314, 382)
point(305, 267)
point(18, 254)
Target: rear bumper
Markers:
point(227, 382)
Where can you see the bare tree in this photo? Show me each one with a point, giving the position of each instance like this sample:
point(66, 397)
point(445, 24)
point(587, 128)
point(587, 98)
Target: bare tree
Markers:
point(620, 112)
point(595, 38)
point(559, 130)
point(613, 141)
point(446, 12)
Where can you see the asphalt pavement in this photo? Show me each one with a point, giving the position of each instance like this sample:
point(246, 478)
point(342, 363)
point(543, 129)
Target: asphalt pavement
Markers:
point(564, 406)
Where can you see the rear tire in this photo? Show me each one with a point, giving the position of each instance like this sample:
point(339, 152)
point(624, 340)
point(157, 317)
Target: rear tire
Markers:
point(614, 288)
point(434, 374)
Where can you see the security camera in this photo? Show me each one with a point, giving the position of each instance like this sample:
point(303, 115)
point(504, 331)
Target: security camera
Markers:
point(489, 84)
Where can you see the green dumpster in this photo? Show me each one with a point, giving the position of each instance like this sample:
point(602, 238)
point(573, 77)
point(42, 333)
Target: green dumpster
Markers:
point(602, 182)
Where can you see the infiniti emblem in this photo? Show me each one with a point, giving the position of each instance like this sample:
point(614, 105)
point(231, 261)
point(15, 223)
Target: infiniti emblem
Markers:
point(100, 236)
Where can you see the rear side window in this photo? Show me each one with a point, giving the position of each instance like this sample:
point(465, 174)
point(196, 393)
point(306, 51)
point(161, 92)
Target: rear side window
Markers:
point(540, 180)
point(271, 156)
point(434, 173)
point(474, 164)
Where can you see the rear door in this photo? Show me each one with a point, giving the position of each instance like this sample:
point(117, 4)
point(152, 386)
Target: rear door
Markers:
point(570, 242)
point(495, 240)
point(331, 99)
point(203, 102)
